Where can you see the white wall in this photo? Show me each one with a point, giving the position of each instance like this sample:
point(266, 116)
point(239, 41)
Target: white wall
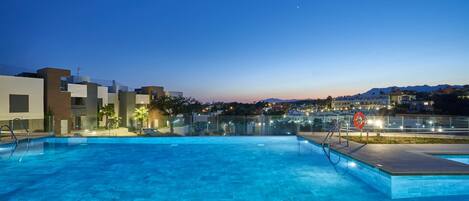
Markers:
point(174, 93)
point(102, 93)
point(33, 87)
point(142, 99)
point(78, 90)
point(112, 98)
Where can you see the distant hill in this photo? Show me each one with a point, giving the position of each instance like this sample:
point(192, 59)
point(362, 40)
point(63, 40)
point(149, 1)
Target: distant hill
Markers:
point(377, 91)
point(418, 88)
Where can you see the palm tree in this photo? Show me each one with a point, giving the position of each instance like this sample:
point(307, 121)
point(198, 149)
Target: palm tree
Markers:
point(141, 115)
point(107, 112)
point(173, 106)
point(114, 121)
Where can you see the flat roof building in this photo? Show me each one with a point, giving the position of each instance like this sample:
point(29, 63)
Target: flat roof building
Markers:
point(22, 98)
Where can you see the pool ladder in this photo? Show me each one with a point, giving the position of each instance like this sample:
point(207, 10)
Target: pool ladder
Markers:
point(12, 134)
point(28, 134)
point(28, 139)
point(326, 142)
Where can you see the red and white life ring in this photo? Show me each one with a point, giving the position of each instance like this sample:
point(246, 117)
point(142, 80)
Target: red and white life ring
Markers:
point(359, 120)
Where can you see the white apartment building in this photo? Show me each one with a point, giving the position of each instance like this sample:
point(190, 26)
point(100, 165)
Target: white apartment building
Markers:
point(174, 93)
point(22, 98)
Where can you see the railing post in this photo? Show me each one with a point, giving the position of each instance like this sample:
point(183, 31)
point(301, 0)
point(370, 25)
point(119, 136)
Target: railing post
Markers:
point(347, 133)
point(323, 122)
point(340, 135)
point(402, 124)
point(416, 124)
point(468, 124)
point(218, 126)
point(450, 122)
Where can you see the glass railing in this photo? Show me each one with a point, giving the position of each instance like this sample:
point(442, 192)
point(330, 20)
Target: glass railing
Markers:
point(231, 125)
point(197, 125)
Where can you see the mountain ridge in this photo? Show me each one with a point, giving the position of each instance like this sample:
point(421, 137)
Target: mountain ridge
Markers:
point(380, 91)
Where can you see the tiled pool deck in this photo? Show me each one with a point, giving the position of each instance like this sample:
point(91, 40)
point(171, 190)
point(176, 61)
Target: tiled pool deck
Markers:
point(403, 159)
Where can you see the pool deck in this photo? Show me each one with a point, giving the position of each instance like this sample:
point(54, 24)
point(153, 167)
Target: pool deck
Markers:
point(402, 159)
point(6, 139)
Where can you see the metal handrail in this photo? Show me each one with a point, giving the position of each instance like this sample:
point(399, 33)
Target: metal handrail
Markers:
point(328, 136)
point(13, 136)
point(28, 139)
point(337, 128)
point(24, 127)
point(331, 133)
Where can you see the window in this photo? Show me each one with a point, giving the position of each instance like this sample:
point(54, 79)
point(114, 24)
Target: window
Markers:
point(19, 103)
point(78, 101)
point(100, 103)
point(63, 84)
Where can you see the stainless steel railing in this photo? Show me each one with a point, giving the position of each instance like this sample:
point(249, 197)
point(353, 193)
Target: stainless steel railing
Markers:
point(24, 127)
point(13, 136)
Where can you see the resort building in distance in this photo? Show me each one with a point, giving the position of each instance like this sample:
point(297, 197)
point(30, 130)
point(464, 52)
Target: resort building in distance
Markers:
point(376, 101)
point(54, 98)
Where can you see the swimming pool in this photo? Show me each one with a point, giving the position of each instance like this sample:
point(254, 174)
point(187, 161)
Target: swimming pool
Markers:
point(203, 168)
point(458, 158)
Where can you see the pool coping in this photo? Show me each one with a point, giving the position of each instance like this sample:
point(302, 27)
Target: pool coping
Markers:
point(425, 154)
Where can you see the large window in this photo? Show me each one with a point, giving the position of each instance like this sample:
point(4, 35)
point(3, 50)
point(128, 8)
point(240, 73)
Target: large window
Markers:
point(63, 84)
point(19, 103)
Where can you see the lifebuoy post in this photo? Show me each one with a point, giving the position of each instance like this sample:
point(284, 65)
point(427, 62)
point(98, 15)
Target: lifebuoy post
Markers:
point(359, 121)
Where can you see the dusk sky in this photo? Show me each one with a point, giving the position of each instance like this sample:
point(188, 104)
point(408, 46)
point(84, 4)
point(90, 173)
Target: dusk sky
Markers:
point(244, 50)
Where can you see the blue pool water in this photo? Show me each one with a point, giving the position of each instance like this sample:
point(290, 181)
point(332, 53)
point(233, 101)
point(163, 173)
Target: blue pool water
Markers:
point(458, 158)
point(200, 168)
